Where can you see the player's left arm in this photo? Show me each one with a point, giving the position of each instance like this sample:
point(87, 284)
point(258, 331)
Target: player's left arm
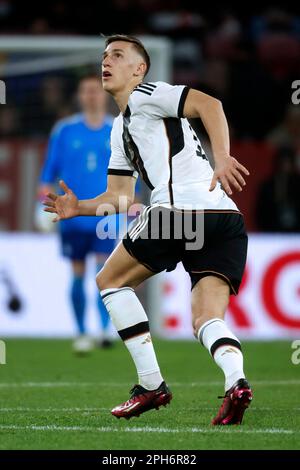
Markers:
point(210, 110)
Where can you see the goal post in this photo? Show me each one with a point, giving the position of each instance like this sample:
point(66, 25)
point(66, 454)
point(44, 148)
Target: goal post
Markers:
point(76, 50)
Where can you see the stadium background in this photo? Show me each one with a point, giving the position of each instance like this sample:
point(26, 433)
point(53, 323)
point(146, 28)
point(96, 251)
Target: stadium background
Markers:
point(249, 57)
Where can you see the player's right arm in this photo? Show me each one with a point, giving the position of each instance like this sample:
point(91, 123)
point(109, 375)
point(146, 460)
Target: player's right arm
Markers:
point(118, 197)
point(119, 194)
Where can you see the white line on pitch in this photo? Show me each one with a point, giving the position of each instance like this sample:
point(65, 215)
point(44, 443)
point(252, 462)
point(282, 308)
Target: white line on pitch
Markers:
point(51, 384)
point(147, 429)
point(95, 410)
point(55, 410)
point(125, 384)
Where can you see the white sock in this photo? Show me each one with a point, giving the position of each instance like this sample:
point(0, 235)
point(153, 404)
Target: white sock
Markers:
point(130, 320)
point(143, 354)
point(224, 347)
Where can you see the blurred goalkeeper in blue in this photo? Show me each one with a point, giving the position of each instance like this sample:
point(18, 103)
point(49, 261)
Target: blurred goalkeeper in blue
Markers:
point(78, 152)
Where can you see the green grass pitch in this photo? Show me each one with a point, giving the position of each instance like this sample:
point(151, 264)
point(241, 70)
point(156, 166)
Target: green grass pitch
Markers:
point(53, 400)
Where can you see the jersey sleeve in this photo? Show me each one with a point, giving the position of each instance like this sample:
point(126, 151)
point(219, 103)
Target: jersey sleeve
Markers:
point(50, 170)
point(119, 163)
point(161, 99)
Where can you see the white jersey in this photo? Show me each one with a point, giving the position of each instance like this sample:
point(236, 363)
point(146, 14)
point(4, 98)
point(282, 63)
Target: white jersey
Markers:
point(154, 140)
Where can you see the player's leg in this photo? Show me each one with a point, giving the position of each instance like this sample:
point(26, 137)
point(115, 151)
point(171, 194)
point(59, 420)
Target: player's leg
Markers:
point(216, 272)
point(210, 298)
point(75, 248)
point(78, 297)
point(102, 249)
point(83, 343)
point(121, 274)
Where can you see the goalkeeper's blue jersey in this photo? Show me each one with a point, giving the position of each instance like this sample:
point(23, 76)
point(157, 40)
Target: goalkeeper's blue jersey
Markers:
point(79, 155)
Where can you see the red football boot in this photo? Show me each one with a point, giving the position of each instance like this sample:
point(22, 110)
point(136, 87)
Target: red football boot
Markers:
point(236, 401)
point(142, 400)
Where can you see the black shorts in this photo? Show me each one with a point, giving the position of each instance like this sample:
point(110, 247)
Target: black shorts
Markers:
point(206, 242)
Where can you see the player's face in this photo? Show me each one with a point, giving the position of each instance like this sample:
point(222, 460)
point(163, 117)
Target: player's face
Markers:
point(91, 95)
point(121, 66)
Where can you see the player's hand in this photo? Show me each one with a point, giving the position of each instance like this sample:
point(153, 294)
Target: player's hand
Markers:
point(65, 206)
point(229, 173)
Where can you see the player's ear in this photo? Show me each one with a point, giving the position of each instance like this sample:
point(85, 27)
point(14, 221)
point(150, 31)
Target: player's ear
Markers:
point(141, 69)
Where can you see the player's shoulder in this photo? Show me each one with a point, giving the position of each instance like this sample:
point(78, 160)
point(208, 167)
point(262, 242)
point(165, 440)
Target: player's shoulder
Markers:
point(147, 96)
point(144, 91)
point(66, 123)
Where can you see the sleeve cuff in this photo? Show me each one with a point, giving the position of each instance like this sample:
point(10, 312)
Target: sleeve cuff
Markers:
point(112, 171)
point(182, 101)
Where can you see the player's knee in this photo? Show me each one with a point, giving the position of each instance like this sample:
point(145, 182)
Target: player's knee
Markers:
point(105, 280)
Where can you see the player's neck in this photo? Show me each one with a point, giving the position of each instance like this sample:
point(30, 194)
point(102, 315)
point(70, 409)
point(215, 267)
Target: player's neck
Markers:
point(94, 119)
point(122, 97)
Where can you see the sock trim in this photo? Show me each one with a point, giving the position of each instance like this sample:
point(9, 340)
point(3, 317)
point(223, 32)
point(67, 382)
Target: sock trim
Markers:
point(224, 342)
point(104, 293)
point(202, 328)
point(135, 330)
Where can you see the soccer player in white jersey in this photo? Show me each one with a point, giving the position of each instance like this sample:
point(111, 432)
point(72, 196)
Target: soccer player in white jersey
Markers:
point(152, 137)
